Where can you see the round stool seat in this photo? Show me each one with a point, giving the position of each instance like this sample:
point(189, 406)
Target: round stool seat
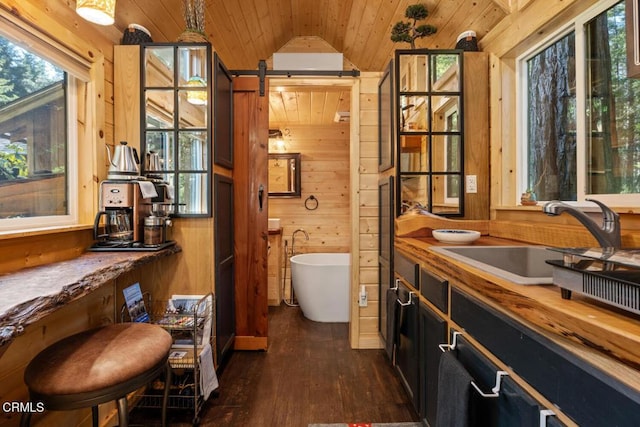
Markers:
point(97, 365)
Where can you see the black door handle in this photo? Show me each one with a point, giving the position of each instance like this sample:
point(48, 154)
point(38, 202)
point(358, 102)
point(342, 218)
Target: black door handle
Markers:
point(260, 196)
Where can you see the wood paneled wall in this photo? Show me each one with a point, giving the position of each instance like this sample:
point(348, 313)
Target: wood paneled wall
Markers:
point(364, 325)
point(325, 175)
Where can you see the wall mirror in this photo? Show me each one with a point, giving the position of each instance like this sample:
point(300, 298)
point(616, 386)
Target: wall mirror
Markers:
point(176, 122)
point(284, 175)
point(429, 131)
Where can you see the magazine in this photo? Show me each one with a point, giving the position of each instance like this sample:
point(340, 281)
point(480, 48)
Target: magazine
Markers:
point(135, 303)
point(186, 314)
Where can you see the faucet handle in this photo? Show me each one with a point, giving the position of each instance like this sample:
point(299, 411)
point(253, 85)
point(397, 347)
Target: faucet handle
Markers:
point(608, 214)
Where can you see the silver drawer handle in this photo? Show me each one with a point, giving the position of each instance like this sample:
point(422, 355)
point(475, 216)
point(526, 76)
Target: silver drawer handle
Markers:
point(404, 304)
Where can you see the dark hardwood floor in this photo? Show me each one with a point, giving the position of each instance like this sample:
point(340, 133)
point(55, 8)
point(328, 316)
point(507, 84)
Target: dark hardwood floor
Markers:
point(308, 375)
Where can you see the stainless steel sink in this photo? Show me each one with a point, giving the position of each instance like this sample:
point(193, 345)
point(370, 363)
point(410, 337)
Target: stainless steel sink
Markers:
point(523, 265)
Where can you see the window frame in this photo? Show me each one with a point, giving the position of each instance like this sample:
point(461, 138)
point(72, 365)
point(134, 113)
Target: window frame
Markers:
point(85, 80)
point(577, 26)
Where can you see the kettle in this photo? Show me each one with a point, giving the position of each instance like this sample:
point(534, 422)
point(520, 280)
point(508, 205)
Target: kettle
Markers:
point(153, 162)
point(124, 163)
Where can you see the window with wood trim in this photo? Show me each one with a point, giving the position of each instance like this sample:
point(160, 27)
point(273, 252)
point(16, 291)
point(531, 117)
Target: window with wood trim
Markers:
point(579, 115)
point(40, 84)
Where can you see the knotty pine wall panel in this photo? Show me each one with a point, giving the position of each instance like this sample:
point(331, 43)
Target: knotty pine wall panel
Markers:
point(325, 175)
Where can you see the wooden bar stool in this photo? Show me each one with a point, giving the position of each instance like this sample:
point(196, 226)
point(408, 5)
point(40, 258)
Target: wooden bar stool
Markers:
point(98, 366)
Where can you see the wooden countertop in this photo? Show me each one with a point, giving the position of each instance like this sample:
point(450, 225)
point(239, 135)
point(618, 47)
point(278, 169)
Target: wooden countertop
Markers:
point(30, 294)
point(596, 331)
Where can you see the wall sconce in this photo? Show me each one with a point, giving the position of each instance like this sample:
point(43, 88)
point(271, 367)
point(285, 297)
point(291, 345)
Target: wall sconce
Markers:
point(197, 97)
point(277, 135)
point(101, 12)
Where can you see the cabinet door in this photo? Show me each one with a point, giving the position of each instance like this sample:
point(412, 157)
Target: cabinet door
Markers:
point(433, 332)
point(512, 407)
point(407, 347)
point(586, 394)
point(385, 260)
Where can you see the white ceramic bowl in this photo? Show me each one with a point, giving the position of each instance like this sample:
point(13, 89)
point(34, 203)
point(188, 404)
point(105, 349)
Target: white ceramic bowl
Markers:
point(456, 236)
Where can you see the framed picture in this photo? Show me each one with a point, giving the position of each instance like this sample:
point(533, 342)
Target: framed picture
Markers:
point(385, 120)
point(222, 114)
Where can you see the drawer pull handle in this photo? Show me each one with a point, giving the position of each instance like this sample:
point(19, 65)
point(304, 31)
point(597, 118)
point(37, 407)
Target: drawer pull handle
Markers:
point(452, 346)
point(404, 304)
point(495, 391)
point(544, 413)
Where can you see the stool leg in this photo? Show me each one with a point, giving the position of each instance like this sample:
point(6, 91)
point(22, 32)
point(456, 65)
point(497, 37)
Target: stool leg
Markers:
point(94, 416)
point(25, 419)
point(165, 397)
point(123, 412)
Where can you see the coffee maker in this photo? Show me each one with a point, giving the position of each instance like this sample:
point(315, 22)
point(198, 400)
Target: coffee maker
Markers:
point(123, 206)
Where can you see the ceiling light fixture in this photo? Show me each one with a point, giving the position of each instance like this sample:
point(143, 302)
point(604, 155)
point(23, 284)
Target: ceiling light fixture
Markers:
point(197, 97)
point(101, 12)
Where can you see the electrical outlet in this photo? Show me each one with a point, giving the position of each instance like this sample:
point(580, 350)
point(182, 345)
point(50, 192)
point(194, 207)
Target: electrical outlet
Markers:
point(472, 184)
point(363, 300)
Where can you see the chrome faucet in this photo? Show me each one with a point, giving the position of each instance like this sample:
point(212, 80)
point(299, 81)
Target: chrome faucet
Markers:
point(293, 239)
point(607, 234)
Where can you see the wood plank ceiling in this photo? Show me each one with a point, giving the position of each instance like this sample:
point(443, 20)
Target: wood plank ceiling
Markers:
point(246, 31)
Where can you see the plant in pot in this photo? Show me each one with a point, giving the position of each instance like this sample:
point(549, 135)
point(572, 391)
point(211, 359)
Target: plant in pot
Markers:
point(408, 32)
point(193, 12)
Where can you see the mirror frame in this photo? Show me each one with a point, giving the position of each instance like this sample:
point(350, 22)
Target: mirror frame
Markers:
point(297, 193)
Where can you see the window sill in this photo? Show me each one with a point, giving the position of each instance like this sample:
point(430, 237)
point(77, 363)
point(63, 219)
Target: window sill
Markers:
point(29, 295)
point(43, 231)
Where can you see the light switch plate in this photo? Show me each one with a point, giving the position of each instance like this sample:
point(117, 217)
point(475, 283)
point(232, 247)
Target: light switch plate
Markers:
point(472, 184)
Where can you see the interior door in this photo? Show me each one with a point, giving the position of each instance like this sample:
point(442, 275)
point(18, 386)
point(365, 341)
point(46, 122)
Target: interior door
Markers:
point(250, 175)
point(224, 214)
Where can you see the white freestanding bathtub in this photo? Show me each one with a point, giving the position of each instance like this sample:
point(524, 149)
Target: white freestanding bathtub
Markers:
point(321, 285)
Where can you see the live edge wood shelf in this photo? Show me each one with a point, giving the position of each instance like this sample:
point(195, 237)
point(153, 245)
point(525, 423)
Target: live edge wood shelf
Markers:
point(29, 295)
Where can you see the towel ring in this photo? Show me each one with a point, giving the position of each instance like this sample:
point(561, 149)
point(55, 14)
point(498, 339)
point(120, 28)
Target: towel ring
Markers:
point(452, 346)
point(311, 206)
point(495, 391)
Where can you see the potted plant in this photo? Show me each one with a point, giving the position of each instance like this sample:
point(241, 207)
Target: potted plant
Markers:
point(408, 32)
point(193, 11)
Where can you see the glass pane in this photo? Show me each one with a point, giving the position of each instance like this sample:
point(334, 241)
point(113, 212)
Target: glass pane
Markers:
point(413, 73)
point(414, 154)
point(158, 67)
point(445, 193)
point(33, 135)
point(162, 144)
point(192, 63)
point(613, 119)
point(445, 73)
point(192, 108)
point(447, 153)
point(414, 191)
point(413, 113)
point(159, 109)
point(192, 193)
point(551, 137)
point(445, 113)
point(192, 153)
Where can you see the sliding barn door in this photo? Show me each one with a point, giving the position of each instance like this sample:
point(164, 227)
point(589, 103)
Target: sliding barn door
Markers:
point(251, 134)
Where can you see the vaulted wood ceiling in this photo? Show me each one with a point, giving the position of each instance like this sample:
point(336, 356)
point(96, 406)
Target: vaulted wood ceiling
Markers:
point(246, 31)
